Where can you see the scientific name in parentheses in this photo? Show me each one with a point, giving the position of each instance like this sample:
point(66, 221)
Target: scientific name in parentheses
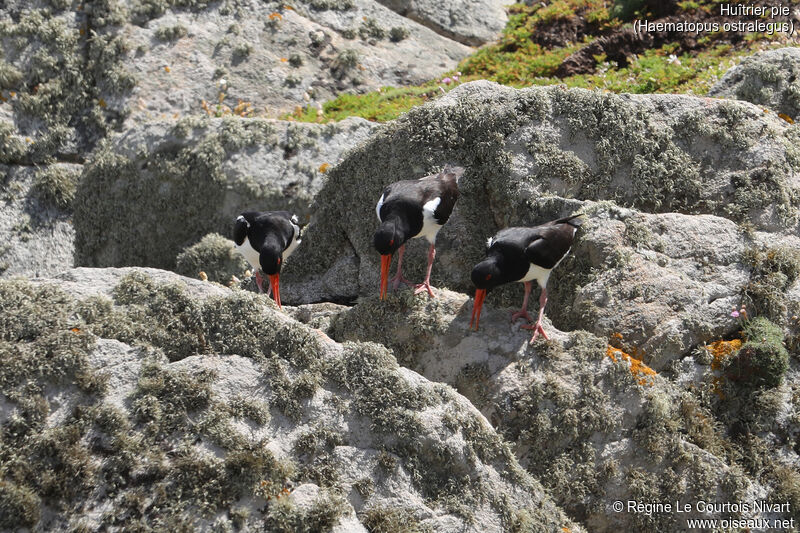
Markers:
point(749, 26)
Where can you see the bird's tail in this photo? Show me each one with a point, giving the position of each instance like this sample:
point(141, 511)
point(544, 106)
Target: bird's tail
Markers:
point(572, 220)
point(452, 171)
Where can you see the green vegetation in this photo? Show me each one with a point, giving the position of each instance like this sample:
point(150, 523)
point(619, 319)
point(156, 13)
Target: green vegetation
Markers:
point(214, 255)
point(762, 360)
point(531, 52)
point(773, 271)
point(55, 186)
point(175, 453)
point(171, 33)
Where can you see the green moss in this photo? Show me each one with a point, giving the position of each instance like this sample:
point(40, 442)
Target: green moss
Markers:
point(398, 33)
point(773, 270)
point(55, 185)
point(787, 489)
point(284, 516)
point(214, 255)
point(392, 520)
point(171, 33)
point(164, 398)
point(250, 408)
point(371, 29)
point(762, 360)
point(191, 180)
point(19, 506)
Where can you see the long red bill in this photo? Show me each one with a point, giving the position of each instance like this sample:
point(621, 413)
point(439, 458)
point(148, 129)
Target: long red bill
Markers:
point(386, 262)
point(480, 295)
point(274, 283)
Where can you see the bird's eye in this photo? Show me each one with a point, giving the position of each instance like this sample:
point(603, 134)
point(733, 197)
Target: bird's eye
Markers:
point(488, 277)
point(279, 260)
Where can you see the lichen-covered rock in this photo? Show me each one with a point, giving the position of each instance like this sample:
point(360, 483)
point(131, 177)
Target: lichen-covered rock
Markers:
point(590, 419)
point(37, 236)
point(214, 256)
point(252, 57)
point(161, 187)
point(133, 398)
point(469, 22)
point(770, 78)
point(527, 150)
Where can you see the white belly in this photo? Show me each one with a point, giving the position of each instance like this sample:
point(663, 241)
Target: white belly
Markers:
point(249, 253)
point(541, 275)
point(429, 225)
point(294, 244)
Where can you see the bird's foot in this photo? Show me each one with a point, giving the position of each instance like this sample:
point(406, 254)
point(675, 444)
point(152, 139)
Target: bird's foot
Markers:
point(424, 286)
point(537, 328)
point(397, 280)
point(521, 314)
point(259, 282)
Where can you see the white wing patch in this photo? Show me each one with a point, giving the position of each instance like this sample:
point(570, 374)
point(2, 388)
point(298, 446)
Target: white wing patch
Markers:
point(248, 252)
point(295, 242)
point(489, 242)
point(378, 208)
point(430, 227)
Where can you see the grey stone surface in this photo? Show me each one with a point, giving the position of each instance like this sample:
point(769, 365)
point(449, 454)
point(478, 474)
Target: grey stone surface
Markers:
point(533, 155)
point(37, 237)
point(467, 21)
point(161, 187)
point(270, 56)
point(426, 458)
point(770, 78)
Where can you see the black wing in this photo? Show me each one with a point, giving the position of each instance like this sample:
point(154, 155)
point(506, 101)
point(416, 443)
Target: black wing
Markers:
point(448, 192)
point(550, 243)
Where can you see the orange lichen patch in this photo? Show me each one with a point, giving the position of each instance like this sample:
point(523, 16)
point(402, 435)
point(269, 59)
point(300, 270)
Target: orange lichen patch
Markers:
point(324, 167)
point(166, 69)
point(566, 529)
point(101, 103)
point(75, 330)
point(786, 117)
point(643, 374)
point(720, 350)
point(243, 108)
point(275, 16)
point(284, 60)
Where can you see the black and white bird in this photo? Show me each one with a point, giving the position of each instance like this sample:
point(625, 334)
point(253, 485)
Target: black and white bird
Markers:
point(409, 209)
point(266, 240)
point(524, 255)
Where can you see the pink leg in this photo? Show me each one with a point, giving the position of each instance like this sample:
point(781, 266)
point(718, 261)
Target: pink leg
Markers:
point(523, 312)
point(426, 285)
point(398, 278)
point(537, 328)
point(260, 283)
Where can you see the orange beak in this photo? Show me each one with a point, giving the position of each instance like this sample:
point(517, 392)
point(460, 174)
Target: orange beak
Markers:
point(480, 296)
point(274, 283)
point(386, 262)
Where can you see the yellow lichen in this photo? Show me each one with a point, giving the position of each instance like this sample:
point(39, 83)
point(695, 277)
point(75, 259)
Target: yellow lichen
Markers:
point(719, 351)
point(643, 374)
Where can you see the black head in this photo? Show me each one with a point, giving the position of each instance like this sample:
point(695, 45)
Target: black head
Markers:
point(487, 274)
point(270, 258)
point(240, 227)
point(389, 237)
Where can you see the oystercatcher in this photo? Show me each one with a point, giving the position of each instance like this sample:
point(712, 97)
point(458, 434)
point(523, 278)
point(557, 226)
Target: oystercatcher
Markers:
point(409, 209)
point(265, 240)
point(523, 254)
